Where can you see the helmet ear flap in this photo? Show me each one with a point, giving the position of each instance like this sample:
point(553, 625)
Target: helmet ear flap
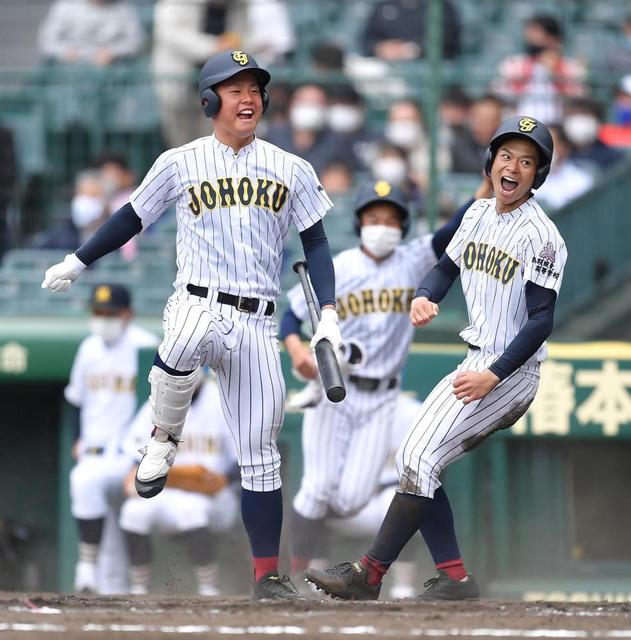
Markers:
point(265, 99)
point(488, 162)
point(211, 102)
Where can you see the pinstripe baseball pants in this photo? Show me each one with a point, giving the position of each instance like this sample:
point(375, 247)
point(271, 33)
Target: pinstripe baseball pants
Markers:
point(444, 429)
point(243, 349)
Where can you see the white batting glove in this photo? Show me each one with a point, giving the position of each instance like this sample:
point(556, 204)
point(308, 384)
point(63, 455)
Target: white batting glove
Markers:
point(60, 276)
point(328, 329)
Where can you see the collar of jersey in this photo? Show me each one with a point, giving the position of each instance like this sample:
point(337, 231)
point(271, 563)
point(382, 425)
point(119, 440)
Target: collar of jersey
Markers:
point(224, 148)
point(515, 213)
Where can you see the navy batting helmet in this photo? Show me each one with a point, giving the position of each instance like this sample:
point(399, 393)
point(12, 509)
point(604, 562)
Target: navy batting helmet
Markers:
point(223, 66)
point(531, 129)
point(381, 191)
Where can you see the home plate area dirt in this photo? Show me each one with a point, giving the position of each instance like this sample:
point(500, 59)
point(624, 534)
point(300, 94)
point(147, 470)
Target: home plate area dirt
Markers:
point(39, 616)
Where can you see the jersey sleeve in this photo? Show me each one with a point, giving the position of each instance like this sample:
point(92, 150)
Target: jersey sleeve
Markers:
point(309, 201)
point(546, 255)
point(473, 214)
point(161, 186)
point(75, 390)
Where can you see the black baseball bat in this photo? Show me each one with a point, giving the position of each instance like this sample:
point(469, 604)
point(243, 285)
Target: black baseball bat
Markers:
point(327, 362)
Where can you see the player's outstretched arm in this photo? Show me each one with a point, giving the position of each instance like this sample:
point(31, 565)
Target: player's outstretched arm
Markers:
point(119, 229)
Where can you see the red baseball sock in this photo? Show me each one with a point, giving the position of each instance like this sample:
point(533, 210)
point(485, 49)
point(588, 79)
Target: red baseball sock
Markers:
point(376, 570)
point(453, 568)
point(298, 565)
point(263, 566)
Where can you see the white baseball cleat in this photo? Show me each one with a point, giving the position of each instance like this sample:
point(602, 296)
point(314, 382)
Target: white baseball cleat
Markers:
point(85, 577)
point(151, 475)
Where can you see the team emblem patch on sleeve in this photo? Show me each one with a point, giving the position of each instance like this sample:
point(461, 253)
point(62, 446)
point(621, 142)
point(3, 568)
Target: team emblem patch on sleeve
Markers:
point(548, 253)
point(241, 57)
point(526, 125)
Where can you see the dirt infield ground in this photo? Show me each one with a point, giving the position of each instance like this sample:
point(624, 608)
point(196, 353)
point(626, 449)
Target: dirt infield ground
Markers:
point(39, 616)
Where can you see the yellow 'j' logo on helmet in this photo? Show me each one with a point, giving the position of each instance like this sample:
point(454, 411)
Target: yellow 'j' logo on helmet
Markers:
point(382, 188)
point(526, 125)
point(241, 57)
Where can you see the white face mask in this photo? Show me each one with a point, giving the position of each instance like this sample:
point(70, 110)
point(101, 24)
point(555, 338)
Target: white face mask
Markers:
point(581, 129)
point(85, 210)
point(393, 170)
point(379, 239)
point(344, 118)
point(404, 133)
point(307, 116)
point(110, 329)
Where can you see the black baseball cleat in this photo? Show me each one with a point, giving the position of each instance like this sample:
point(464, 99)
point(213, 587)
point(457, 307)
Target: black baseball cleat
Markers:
point(151, 488)
point(346, 581)
point(274, 587)
point(442, 587)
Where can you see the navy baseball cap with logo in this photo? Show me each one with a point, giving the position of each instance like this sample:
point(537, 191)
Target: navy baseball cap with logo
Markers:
point(382, 191)
point(110, 297)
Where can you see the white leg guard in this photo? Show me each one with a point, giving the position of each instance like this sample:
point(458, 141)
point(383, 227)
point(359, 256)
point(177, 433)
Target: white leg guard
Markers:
point(171, 398)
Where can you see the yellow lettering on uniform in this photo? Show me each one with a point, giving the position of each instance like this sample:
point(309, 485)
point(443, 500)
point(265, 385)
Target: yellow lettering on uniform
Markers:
point(354, 305)
point(209, 195)
point(397, 301)
point(245, 191)
point(279, 197)
point(509, 270)
point(194, 204)
point(468, 255)
point(410, 296)
point(490, 259)
point(226, 192)
point(342, 311)
point(497, 264)
point(262, 196)
point(479, 265)
point(384, 300)
point(369, 301)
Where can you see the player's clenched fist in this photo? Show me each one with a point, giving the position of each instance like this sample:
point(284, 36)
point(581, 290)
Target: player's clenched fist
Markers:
point(60, 276)
point(328, 329)
point(474, 385)
point(422, 311)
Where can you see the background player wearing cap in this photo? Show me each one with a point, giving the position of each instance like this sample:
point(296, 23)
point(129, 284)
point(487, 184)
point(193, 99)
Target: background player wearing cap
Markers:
point(197, 499)
point(346, 445)
point(510, 257)
point(102, 397)
point(235, 198)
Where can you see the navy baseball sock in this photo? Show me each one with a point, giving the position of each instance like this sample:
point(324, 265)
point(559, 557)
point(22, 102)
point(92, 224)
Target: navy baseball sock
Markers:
point(262, 514)
point(439, 534)
point(402, 521)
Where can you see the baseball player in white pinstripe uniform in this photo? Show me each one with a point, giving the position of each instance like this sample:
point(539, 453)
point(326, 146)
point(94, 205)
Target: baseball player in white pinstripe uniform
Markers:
point(235, 197)
point(346, 445)
point(510, 258)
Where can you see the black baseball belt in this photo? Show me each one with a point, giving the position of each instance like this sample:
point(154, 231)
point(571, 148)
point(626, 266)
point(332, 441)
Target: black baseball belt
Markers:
point(372, 384)
point(94, 451)
point(247, 305)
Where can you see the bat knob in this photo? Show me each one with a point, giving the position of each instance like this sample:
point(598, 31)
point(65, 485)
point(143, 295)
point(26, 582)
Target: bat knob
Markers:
point(299, 264)
point(336, 394)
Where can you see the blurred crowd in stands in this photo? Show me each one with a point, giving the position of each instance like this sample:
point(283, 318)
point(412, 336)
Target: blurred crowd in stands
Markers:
point(344, 117)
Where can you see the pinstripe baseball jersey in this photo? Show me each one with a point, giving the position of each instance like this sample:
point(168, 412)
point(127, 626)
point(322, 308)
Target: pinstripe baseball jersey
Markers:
point(233, 211)
point(373, 302)
point(497, 254)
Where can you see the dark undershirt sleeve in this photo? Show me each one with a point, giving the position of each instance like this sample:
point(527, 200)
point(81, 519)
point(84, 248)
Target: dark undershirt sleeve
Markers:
point(319, 262)
point(289, 323)
point(436, 283)
point(442, 237)
point(119, 229)
point(540, 304)
point(74, 417)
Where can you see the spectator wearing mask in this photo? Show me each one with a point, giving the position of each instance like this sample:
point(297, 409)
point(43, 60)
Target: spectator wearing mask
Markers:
point(397, 30)
point(337, 178)
point(187, 33)
point(618, 132)
point(307, 134)
point(566, 180)
point(538, 80)
point(405, 129)
point(97, 32)
point(88, 211)
point(582, 126)
point(346, 117)
point(392, 165)
point(468, 151)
